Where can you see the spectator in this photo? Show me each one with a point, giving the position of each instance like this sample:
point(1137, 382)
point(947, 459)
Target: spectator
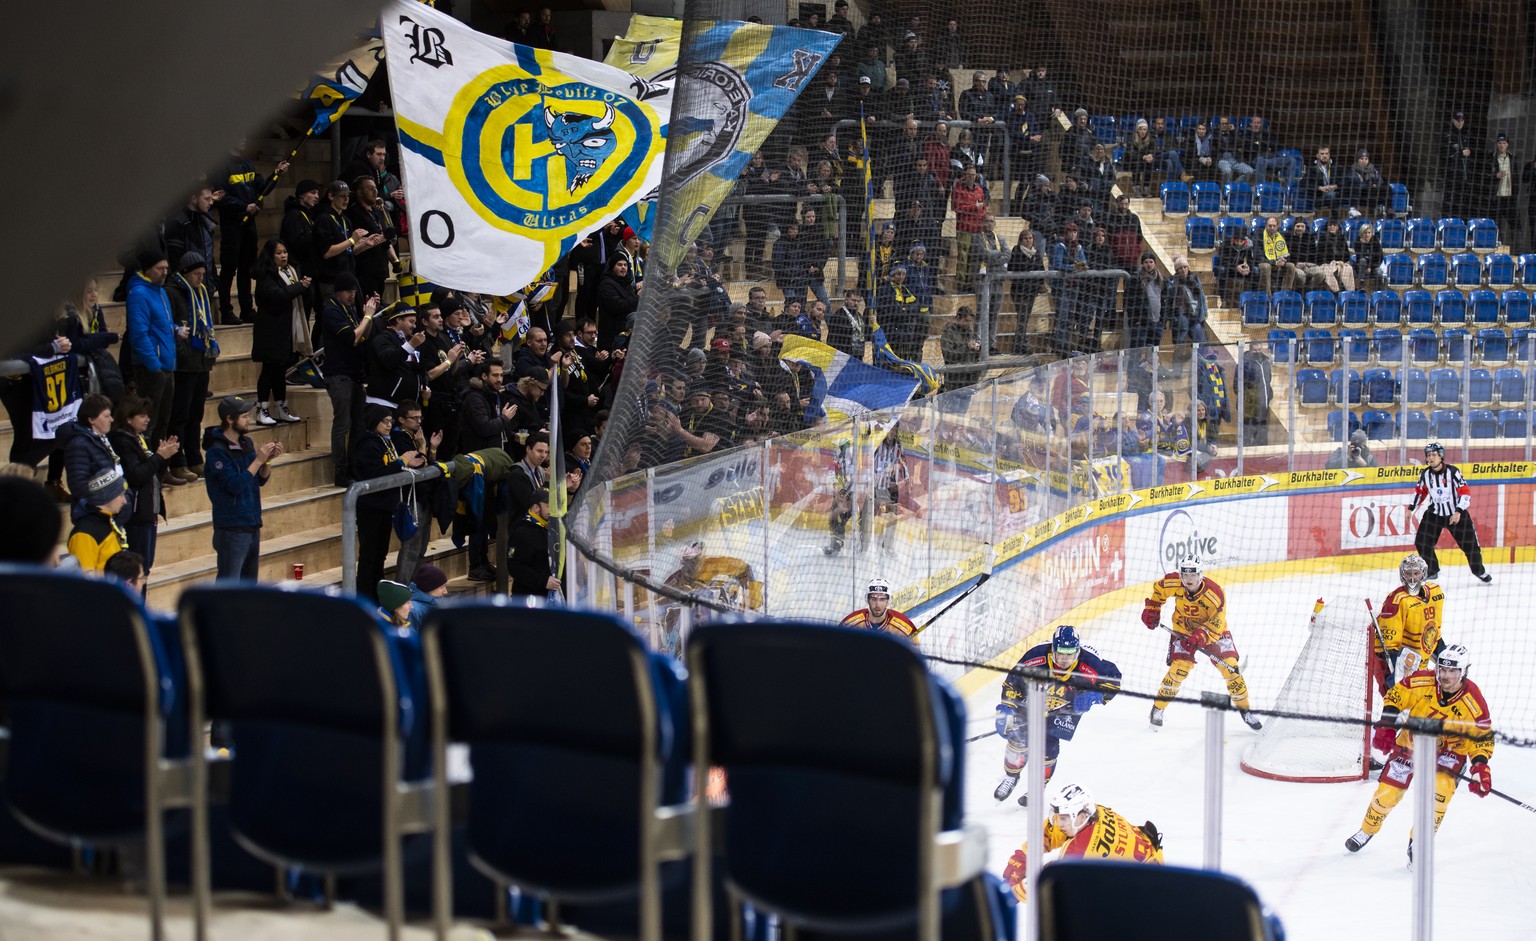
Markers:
point(1039, 207)
point(236, 471)
point(1255, 149)
point(96, 536)
point(197, 349)
point(87, 452)
point(911, 60)
point(617, 298)
point(243, 188)
point(1333, 258)
point(1368, 259)
point(152, 333)
point(949, 47)
point(530, 393)
point(520, 30)
point(191, 229)
point(127, 567)
point(534, 354)
point(1067, 258)
point(1458, 168)
point(961, 347)
point(1098, 174)
point(344, 333)
point(935, 103)
point(1099, 293)
point(1142, 158)
point(391, 192)
point(1144, 305)
point(980, 107)
point(1304, 257)
point(838, 22)
point(1025, 134)
point(1027, 256)
point(281, 334)
point(578, 386)
point(845, 327)
point(813, 322)
point(1184, 308)
point(298, 231)
point(1275, 255)
point(989, 253)
point(874, 34)
point(1366, 191)
point(1356, 453)
point(408, 435)
point(1079, 143)
point(919, 185)
point(528, 567)
point(1170, 161)
point(336, 241)
point(1201, 158)
point(1229, 149)
point(1238, 270)
point(1258, 395)
point(379, 453)
point(448, 361)
point(29, 522)
point(375, 251)
point(965, 153)
point(428, 585)
point(144, 471)
point(1503, 189)
point(1322, 183)
point(393, 359)
point(921, 276)
point(1124, 233)
point(916, 227)
point(936, 153)
point(898, 311)
point(869, 71)
point(700, 428)
point(969, 200)
point(788, 267)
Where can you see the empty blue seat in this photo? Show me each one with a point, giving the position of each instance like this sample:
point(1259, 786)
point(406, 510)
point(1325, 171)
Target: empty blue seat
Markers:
point(1424, 346)
point(1513, 423)
point(1445, 386)
point(1352, 228)
point(1175, 198)
point(1255, 307)
point(1466, 270)
point(1072, 896)
point(1286, 222)
point(1320, 347)
point(1189, 122)
point(1483, 307)
point(1479, 387)
point(1296, 166)
point(1392, 234)
point(1387, 308)
point(1271, 198)
point(1380, 388)
point(1256, 233)
point(1201, 233)
point(1239, 198)
point(1399, 270)
point(1521, 344)
point(1379, 425)
point(1299, 199)
point(1419, 306)
point(1525, 267)
point(1515, 308)
point(1452, 233)
point(1400, 205)
point(1207, 198)
point(1281, 345)
point(1414, 383)
point(1499, 270)
point(1355, 345)
point(1103, 127)
point(1421, 235)
point(1481, 423)
point(1311, 387)
point(1434, 270)
point(1322, 308)
point(1345, 386)
point(1445, 423)
point(1389, 345)
point(1456, 343)
point(1288, 308)
point(1416, 425)
point(1450, 307)
point(1354, 308)
point(1319, 224)
point(1492, 346)
point(1483, 235)
point(1338, 421)
point(1509, 385)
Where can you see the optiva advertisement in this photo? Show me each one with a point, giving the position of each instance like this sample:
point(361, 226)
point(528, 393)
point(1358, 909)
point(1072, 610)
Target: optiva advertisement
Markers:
point(1219, 535)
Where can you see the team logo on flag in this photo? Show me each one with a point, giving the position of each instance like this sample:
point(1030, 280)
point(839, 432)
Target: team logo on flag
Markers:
point(718, 98)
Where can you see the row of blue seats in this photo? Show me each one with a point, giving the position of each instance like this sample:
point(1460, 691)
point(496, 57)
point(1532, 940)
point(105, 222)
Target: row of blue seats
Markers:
point(1442, 386)
point(1439, 424)
point(1108, 127)
point(1417, 306)
point(1490, 346)
point(1480, 235)
point(1269, 199)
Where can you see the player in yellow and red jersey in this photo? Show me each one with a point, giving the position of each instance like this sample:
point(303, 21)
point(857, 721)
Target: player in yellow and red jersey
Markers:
point(1446, 694)
point(1079, 827)
point(880, 616)
point(1409, 623)
point(1199, 623)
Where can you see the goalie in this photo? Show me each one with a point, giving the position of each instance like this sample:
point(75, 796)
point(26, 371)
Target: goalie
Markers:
point(724, 580)
point(1080, 679)
point(1079, 827)
point(1408, 627)
point(1199, 623)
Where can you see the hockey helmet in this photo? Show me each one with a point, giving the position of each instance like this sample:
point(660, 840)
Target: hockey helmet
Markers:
point(1191, 573)
point(1434, 447)
point(1413, 570)
point(1066, 640)
point(879, 586)
point(693, 550)
point(1066, 802)
point(1454, 657)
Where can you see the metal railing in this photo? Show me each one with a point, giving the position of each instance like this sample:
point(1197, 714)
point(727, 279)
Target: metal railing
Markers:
point(396, 481)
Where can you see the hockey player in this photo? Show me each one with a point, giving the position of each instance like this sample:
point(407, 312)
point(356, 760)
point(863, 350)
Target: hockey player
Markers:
point(725, 580)
point(1448, 695)
point(1199, 623)
point(880, 616)
point(1079, 827)
point(1069, 661)
point(1408, 627)
point(1449, 498)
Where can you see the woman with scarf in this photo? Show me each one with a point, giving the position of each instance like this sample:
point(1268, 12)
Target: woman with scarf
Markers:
point(1027, 256)
point(281, 334)
point(380, 450)
point(192, 308)
point(142, 470)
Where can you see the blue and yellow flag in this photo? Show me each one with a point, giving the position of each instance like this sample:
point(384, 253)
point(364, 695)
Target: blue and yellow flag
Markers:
point(337, 84)
point(735, 82)
point(511, 154)
point(885, 356)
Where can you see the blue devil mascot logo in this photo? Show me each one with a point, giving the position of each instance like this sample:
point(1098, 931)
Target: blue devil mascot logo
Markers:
point(584, 140)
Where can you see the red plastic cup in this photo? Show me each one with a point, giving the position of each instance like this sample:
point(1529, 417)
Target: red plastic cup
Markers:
point(298, 571)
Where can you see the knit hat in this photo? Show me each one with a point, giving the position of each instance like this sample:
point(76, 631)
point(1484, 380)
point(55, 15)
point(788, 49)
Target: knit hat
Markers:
point(392, 594)
point(106, 487)
point(697, 356)
point(429, 578)
point(306, 186)
point(192, 261)
point(346, 281)
point(149, 258)
point(761, 340)
point(1358, 437)
point(375, 413)
point(720, 343)
point(1081, 113)
point(627, 234)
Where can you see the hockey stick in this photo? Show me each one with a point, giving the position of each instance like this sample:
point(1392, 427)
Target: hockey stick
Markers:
point(1498, 793)
point(1214, 659)
point(1388, 671)
point(956, 600)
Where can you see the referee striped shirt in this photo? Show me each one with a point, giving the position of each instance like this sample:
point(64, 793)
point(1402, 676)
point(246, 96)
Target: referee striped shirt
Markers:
point(1445, 489)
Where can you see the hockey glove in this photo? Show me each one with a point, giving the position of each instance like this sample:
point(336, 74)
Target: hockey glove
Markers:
point(1150, 615)
point(1086, 700)
point(1197, 638)
point(1017, 872)
point(1007, 720)
point(1482, 779)
point(1383, 739)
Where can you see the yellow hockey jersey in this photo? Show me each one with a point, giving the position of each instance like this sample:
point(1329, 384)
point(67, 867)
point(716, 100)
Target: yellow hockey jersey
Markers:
point(1205, 609)
point(1466, 712)
point(1411, 622)
point(729, 578)
point(1111, 836)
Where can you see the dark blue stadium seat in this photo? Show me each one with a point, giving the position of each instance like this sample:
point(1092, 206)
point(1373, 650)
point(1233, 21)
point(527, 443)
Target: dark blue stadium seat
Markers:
point(1338, 420)
point(1521, 345)
point(1481, 423)
point(1483, 307)
point(1425, 346)
point(1434, 270)
point(1322, 308)
point(1419, 307)
point(1392, 234)
point(1515, 308)
point(1466, 270)
point(1073, 905)
point(1399, 270)
point(1345, 386)
point(1513, 423)
point(1380, 387)
point(1289, 308)
point(1452, 234)
point(1379, 425)
point(1282, 345)
point(1479, 387)
point(1387, 308)
point(1271, 198)
point(1414, 384)
point(1297, 198)
point(1509, 385)
point(1354, 308)
point(1104, 129)
point(1255, 307)
point(1311, 387)
point(1227, 226)
point(1416, 426)
point(1499, 270)
point(1207, 197)
point(1201, 233)
point(1400, 205)
point(1444, 424)
point(1320, 348)
point(1456, 343)
point(1483, 235)
point(1239, 198)
point(1492, 346)
point(1421, 235)
point(1175, 197)
point(1450, 307)
point(1355, 345)
point(1525, 267)
point(1389, 345)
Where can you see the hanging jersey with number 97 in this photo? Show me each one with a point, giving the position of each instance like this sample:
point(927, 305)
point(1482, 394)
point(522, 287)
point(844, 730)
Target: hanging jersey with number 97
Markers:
point(55, 394)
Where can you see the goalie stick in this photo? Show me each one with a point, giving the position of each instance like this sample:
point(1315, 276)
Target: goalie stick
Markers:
point(982, 580)
point(1388, 671)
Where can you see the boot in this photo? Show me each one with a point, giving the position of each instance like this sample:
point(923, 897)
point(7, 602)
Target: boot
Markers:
point(1355, 843)
point(1156, 718)
point(262, 417)
point(1006, 785)
point(184, 475)
point(196, 469)
point(169, 479)
point(284, 415)
point(60, 495)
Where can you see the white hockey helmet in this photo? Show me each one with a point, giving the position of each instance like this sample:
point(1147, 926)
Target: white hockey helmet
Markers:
point(693, 550)
point(878, 586)
point(1191, 566)
point(1454, 657)
point(1413, 570)
point(1068, 800)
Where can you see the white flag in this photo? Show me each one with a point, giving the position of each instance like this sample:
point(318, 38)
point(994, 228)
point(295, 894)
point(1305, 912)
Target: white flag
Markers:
point(511, 154)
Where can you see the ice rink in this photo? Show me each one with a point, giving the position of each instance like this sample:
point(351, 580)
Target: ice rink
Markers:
point(1288, 839)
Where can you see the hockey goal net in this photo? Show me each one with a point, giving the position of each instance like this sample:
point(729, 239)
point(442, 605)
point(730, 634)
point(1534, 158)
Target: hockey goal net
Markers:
point(1331, 677)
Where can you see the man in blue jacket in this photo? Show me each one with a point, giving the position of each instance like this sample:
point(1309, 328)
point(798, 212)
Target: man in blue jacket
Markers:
point(152, 333)
point(235, 470)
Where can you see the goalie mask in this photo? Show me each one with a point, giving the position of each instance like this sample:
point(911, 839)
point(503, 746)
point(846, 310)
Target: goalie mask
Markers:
point(1413, 571)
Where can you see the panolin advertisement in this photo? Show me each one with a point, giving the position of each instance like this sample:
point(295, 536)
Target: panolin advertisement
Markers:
point(1082, 566)
point(1226, 534)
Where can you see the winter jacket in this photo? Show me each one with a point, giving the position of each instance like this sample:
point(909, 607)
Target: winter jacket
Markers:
point(151, 329)
point(86, 455)
point(272, 336)
point(298, 233)
point(200, 349)
point(233, 491)
point(376, 456)
point(480, 421)
point(141, 471)
point(394, 373)
point(528, 557)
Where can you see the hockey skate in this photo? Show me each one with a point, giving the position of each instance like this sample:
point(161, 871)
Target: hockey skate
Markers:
point(1156, 718)
point(1250, 720)
point(1410, 852)
point(833, 547)
point(1485, 578)
point(1005, 787)
point(1355, 843)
